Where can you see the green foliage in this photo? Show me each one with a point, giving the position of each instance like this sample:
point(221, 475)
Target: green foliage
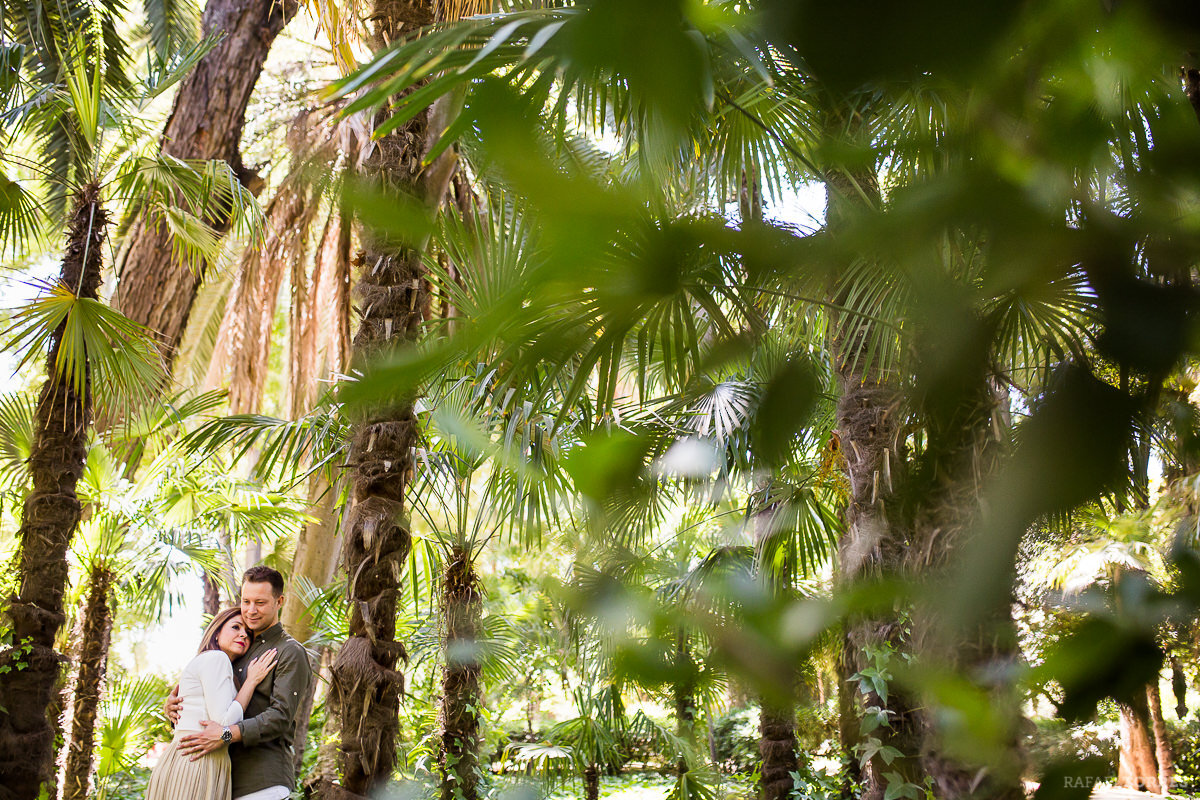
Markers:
point(735, 740)
point(1185, 744)
point(811, 783)
point(131, 714)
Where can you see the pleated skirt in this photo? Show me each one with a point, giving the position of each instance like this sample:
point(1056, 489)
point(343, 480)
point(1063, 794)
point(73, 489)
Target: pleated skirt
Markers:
point(175, 777)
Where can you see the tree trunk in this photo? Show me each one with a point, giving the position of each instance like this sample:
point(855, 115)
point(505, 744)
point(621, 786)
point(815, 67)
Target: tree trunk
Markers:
point(304, 712)
point(867, 438)
point(777, 747)
point(777, 726)
point(324, 772)
point(212, 595)
point(153, 287)
point(51, 514)
point(318, 550)
point(848, 726)
point(462, 695)
point(93, 663)
point(392, 298)
point(964, 444)
point(1137, 766)
point(393, 301)
point(1162, 744)
point(683, 691)
point(591, 782)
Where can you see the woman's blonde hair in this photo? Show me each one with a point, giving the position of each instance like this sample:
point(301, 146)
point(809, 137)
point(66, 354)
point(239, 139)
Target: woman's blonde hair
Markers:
point(209, 640)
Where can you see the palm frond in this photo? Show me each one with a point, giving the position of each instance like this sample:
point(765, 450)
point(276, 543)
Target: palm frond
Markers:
point(296, 448)
point(181, 195)
point(98, 345)
point(130, 714)
point(174, 27)
point(16, 439)
point(21, 215)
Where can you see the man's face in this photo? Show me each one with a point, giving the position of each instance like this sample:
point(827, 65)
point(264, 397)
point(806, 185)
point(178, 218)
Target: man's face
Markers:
point(260, 606)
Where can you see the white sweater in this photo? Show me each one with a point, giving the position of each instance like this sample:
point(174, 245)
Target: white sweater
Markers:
point(208, 692)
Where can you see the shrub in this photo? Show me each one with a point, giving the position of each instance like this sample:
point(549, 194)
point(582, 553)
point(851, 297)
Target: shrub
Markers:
point(1185, 744)
point(735, 740)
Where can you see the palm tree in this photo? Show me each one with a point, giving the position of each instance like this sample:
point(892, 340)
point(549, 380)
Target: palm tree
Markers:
point(91, 351)
point(393, 303)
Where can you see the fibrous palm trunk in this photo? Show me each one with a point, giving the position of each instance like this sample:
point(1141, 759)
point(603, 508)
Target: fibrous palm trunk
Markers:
point(866, 418)
point(93, 662)
point(777, 747)
point(29, 670)
point(393, 299)
point(777, 718)
point(154, 288)
point(462, 614)
point(376, 543)
point(912, 520)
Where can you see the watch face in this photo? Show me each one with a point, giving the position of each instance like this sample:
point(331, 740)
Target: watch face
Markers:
point(226, 735)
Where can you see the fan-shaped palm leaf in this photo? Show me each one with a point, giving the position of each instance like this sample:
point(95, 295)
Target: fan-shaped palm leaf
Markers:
point(99, 345)
point(16, 439)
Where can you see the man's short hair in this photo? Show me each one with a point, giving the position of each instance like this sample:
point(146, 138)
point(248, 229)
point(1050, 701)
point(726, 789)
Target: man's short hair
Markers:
point(264, 574)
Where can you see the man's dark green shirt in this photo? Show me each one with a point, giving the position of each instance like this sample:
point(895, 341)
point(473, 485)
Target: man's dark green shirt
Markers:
point(264, 757)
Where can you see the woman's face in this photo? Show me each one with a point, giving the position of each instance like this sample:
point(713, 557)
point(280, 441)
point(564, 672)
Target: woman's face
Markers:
point(234, 639)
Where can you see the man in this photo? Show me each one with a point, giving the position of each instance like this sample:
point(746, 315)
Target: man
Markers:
point(260, 746)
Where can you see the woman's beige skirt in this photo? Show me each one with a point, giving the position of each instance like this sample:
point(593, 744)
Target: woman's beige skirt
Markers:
point(175, 777)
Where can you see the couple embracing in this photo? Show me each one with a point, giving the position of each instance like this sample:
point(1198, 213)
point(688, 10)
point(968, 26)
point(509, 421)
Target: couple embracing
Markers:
point(235, 706)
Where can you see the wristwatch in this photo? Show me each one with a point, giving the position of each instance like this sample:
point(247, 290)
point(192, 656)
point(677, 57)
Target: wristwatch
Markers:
point(226, 735)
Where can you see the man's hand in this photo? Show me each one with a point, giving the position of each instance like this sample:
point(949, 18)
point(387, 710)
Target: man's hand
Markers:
point(207, 740)
point(174, 706)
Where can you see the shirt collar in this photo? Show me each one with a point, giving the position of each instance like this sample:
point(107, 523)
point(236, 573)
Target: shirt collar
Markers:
point(270, 634)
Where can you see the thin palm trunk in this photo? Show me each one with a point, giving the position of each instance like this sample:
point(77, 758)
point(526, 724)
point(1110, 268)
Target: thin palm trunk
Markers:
point(93, 663)
point(777, 730)
point(684, 695)
point(462, 694)
point(154, 288)
point(212, 595)
point(1179, 687)
point(591, 782)
point(1145, 760)
point(51, 515)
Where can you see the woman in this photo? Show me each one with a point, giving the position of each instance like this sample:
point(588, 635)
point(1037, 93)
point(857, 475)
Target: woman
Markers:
point(208, 692)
